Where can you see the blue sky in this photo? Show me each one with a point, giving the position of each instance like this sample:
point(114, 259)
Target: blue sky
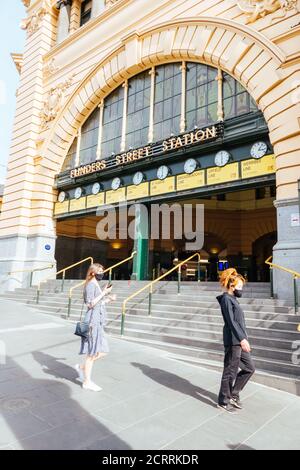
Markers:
point(11, 40)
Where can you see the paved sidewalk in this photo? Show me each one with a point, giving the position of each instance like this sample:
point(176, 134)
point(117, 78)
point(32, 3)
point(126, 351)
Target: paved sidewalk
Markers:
point(149, 399)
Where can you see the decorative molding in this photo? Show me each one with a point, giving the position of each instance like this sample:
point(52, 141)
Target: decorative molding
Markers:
point(33, 22)
point(26, 3)
point(18, 60)
point(111, 3)
point(50, 68)
point(54, 101)
point(256, 9)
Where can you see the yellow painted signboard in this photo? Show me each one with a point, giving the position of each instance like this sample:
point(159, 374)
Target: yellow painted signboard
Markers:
point(115, 196)
point(262, 166)
point(61, 207)
point(95, 200)
point(162, 186)
point(77, 204)
point(195, 180)
point(217, 175)
point(135, 192)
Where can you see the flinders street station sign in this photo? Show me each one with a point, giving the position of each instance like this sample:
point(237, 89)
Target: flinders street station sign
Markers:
point(198, 136)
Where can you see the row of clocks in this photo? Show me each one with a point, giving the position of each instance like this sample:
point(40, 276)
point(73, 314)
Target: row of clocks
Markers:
point(258, 150)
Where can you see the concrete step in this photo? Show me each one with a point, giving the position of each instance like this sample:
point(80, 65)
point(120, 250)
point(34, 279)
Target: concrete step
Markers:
point(208, 360)
point(204, 349)
point(213, 332)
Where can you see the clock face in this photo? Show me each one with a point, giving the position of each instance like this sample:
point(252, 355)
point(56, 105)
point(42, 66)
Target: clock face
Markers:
point(259, 149)
point(162, 172)
point(190, 166)
point(138, 178)
point(116, 183)
point(96, 188)
point(78, 193)
point(61, 197)
point(222, 158)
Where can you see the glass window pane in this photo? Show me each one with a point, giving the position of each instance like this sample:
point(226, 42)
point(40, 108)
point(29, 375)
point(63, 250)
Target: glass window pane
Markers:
point(212, 92)
point(229, 110)
point(242, 103)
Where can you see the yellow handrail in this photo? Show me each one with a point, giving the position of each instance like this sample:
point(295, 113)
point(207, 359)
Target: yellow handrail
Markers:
point(110, 269)
point(64, 275)
point(273, 265)
point(31, 271)
point(295, 275)
point(150, 285)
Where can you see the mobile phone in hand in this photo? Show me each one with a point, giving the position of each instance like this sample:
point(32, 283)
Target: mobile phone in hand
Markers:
point(109, 285)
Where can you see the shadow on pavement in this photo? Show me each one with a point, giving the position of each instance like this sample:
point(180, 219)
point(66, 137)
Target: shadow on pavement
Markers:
point(177, 383)
point(40, 414)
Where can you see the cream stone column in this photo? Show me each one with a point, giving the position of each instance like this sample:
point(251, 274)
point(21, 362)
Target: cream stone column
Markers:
point(75, 16)
point(63, 25)
point(98, 7)
point(282, 107)
point(24, 198)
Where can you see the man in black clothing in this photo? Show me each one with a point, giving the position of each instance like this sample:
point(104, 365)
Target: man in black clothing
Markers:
point(235, 338)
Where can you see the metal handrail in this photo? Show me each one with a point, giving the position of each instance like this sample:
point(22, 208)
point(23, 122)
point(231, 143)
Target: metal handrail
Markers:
point(63, 278)
point(295, 275)
point(150, 285)
point(109, 270)
point(31, 271)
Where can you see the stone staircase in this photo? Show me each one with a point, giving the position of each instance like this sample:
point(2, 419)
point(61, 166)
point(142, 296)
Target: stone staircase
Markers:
point(189, 325)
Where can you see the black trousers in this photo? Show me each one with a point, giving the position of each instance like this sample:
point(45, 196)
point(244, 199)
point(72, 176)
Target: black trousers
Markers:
point(233, 380)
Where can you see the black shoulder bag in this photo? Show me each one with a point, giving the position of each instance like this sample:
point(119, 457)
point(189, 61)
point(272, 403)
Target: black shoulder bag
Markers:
point(83, 328)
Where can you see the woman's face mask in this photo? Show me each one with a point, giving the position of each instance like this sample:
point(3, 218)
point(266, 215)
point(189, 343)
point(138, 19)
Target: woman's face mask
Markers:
point(238, 292)
point(99, 276)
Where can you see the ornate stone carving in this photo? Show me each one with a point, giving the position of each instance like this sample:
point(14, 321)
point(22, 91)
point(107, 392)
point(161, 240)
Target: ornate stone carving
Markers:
point(110, 3)
point(33, 22)
point(256, 9)
point(53, 103)
point(50, 67)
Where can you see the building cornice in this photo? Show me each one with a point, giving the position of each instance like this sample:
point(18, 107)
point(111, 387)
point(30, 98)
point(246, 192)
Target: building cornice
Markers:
point(18, 60)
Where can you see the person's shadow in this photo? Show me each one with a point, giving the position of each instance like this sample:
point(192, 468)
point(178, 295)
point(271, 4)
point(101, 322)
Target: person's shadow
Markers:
point(177, 383)
point(41, 414)
point(52, 366)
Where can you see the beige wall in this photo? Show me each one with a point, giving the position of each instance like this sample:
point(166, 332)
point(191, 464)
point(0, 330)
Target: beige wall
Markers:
point(125, 39)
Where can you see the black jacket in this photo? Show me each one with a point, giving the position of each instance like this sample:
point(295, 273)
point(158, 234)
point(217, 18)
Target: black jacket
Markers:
point(234, 330)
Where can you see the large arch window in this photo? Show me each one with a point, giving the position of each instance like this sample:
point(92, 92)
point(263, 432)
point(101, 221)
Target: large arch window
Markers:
point(112, 123)
point(155, 104)
point(167, 101)
point(138, 111)
point(201, 95)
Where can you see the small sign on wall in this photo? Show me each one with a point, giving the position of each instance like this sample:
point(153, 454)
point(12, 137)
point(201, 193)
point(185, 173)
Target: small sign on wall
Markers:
point(295, 220)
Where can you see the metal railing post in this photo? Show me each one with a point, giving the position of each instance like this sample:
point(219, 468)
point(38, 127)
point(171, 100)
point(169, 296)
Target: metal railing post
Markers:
point(109, 276)
point(271, 283)
point(150, 300)
point(296, 300)
point(199, 271)
point(63, 281)
point(123, 320)
point(31, 278)
point(69, 306)
point(38, 295)
point(179, 279)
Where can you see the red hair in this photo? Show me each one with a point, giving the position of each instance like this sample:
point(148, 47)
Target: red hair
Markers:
point(230, 277)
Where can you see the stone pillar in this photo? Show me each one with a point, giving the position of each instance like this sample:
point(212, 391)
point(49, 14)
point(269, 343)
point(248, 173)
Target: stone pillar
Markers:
point(286, 252)
point(63, 24)
point(75, 16)
point(141, 243)
point(98, 7)
point(25, 244)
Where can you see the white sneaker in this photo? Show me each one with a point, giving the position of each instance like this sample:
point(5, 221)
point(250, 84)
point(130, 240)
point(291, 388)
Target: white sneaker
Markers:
point(80, 373)
point(91, 386)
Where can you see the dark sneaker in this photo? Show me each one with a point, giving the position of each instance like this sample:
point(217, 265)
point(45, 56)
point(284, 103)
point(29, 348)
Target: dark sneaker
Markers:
point(229, 408)
point(236, 403)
